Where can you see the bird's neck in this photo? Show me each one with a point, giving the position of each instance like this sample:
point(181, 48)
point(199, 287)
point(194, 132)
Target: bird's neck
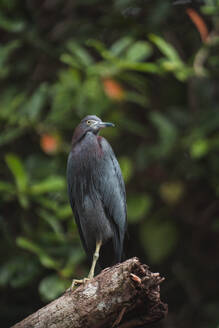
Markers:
point(87, 145)
point(77, 136)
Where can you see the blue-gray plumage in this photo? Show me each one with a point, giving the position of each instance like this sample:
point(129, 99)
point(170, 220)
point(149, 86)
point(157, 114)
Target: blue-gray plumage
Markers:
point(97, 194)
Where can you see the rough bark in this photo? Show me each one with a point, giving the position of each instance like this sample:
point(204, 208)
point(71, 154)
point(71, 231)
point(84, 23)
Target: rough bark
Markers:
point(126, 295)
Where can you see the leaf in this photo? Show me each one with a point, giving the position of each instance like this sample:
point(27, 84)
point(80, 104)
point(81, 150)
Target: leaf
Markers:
point(167, 133)
point(99, 46)
point(210, 8)
point(81, 54)
point(172, 63)
point(35, 103)
point(70, 60)
point(6, 187)
point(139, 67)
point(121, 45)
point(44, 258)
point(10, 135)
point(199, 148)
point(21, 179)
point(10, 25)
point(11, 102)
point(7, 49)
point(5, 52)
point(166, 48)
point(92, 88)
point(138, 205)
point(64, 212)
point(139, 51)
point(126, 167)
point(28, 245)
point(136, 98)
point(18, 170)
point(53, 223)
point(172, 192)
point(115, 64)
point(52, 183)
point(159, 239)
point(18, 272)
point(26, 271)
point(52, 286)
point(6, 272)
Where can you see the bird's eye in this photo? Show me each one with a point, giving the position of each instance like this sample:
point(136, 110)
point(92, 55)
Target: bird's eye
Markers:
point(88, 122)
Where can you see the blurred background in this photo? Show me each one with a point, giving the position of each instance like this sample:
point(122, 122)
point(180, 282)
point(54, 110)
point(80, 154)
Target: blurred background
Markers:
point(152, 68)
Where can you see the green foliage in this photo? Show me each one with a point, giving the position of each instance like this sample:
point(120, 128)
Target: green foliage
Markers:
point(126, 167)
point(159, 239)
point(5, 52)
point(143, 66)
point(199, 148)
point(14, 275)
point(52, 183)
point(171, 62)
point(167, 133)
point(172, 192)
point(21, 180)
point(138, 51)
point(138, 206)
point(35, 104)
point(44, 258)
point(52, 286)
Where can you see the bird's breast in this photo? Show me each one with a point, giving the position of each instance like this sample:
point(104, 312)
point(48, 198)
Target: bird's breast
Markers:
point(89, 148)
point(88, 166)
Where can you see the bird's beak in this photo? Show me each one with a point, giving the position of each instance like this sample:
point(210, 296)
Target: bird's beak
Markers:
point(105, 125)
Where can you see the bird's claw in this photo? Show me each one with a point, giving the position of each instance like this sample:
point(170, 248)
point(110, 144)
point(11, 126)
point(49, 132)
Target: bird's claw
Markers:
point(76, 282)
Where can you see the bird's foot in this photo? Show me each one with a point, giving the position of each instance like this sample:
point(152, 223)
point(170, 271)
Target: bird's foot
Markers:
point(76, 282)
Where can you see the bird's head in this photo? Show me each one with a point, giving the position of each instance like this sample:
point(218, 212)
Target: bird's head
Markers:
point(90, 123)
point(93, 124)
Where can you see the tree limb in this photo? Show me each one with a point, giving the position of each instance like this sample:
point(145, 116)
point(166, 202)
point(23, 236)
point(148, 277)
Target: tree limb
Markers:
point(126, 295)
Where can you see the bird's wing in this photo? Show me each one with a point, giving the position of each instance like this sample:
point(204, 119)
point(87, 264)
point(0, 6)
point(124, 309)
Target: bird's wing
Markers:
point(71, 174)
point(112, 189)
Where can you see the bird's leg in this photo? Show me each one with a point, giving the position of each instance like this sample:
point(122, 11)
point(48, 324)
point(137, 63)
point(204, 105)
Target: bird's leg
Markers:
point(91, 273)
point(95, 258)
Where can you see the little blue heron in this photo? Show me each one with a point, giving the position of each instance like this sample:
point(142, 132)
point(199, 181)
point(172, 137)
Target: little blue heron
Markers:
point(96, 191)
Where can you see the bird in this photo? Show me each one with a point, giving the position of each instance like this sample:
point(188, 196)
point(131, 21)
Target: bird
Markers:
point(97, 195)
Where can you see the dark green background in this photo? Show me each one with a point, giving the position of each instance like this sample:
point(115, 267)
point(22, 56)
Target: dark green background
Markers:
point(142, 65)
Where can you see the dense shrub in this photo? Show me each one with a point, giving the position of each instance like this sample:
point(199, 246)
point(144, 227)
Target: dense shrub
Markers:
point(150, 67)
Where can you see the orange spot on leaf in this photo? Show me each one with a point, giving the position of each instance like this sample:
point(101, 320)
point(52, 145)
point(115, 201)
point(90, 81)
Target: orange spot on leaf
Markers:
point(49, 143)
point(199, 23)
point(113, 89)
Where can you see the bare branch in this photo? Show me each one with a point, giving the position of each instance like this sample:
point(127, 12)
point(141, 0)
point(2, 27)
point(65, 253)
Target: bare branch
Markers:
point(125, 296)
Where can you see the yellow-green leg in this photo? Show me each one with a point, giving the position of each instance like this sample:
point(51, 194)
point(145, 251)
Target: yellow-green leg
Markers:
point(91, 273)
point(95, 258)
